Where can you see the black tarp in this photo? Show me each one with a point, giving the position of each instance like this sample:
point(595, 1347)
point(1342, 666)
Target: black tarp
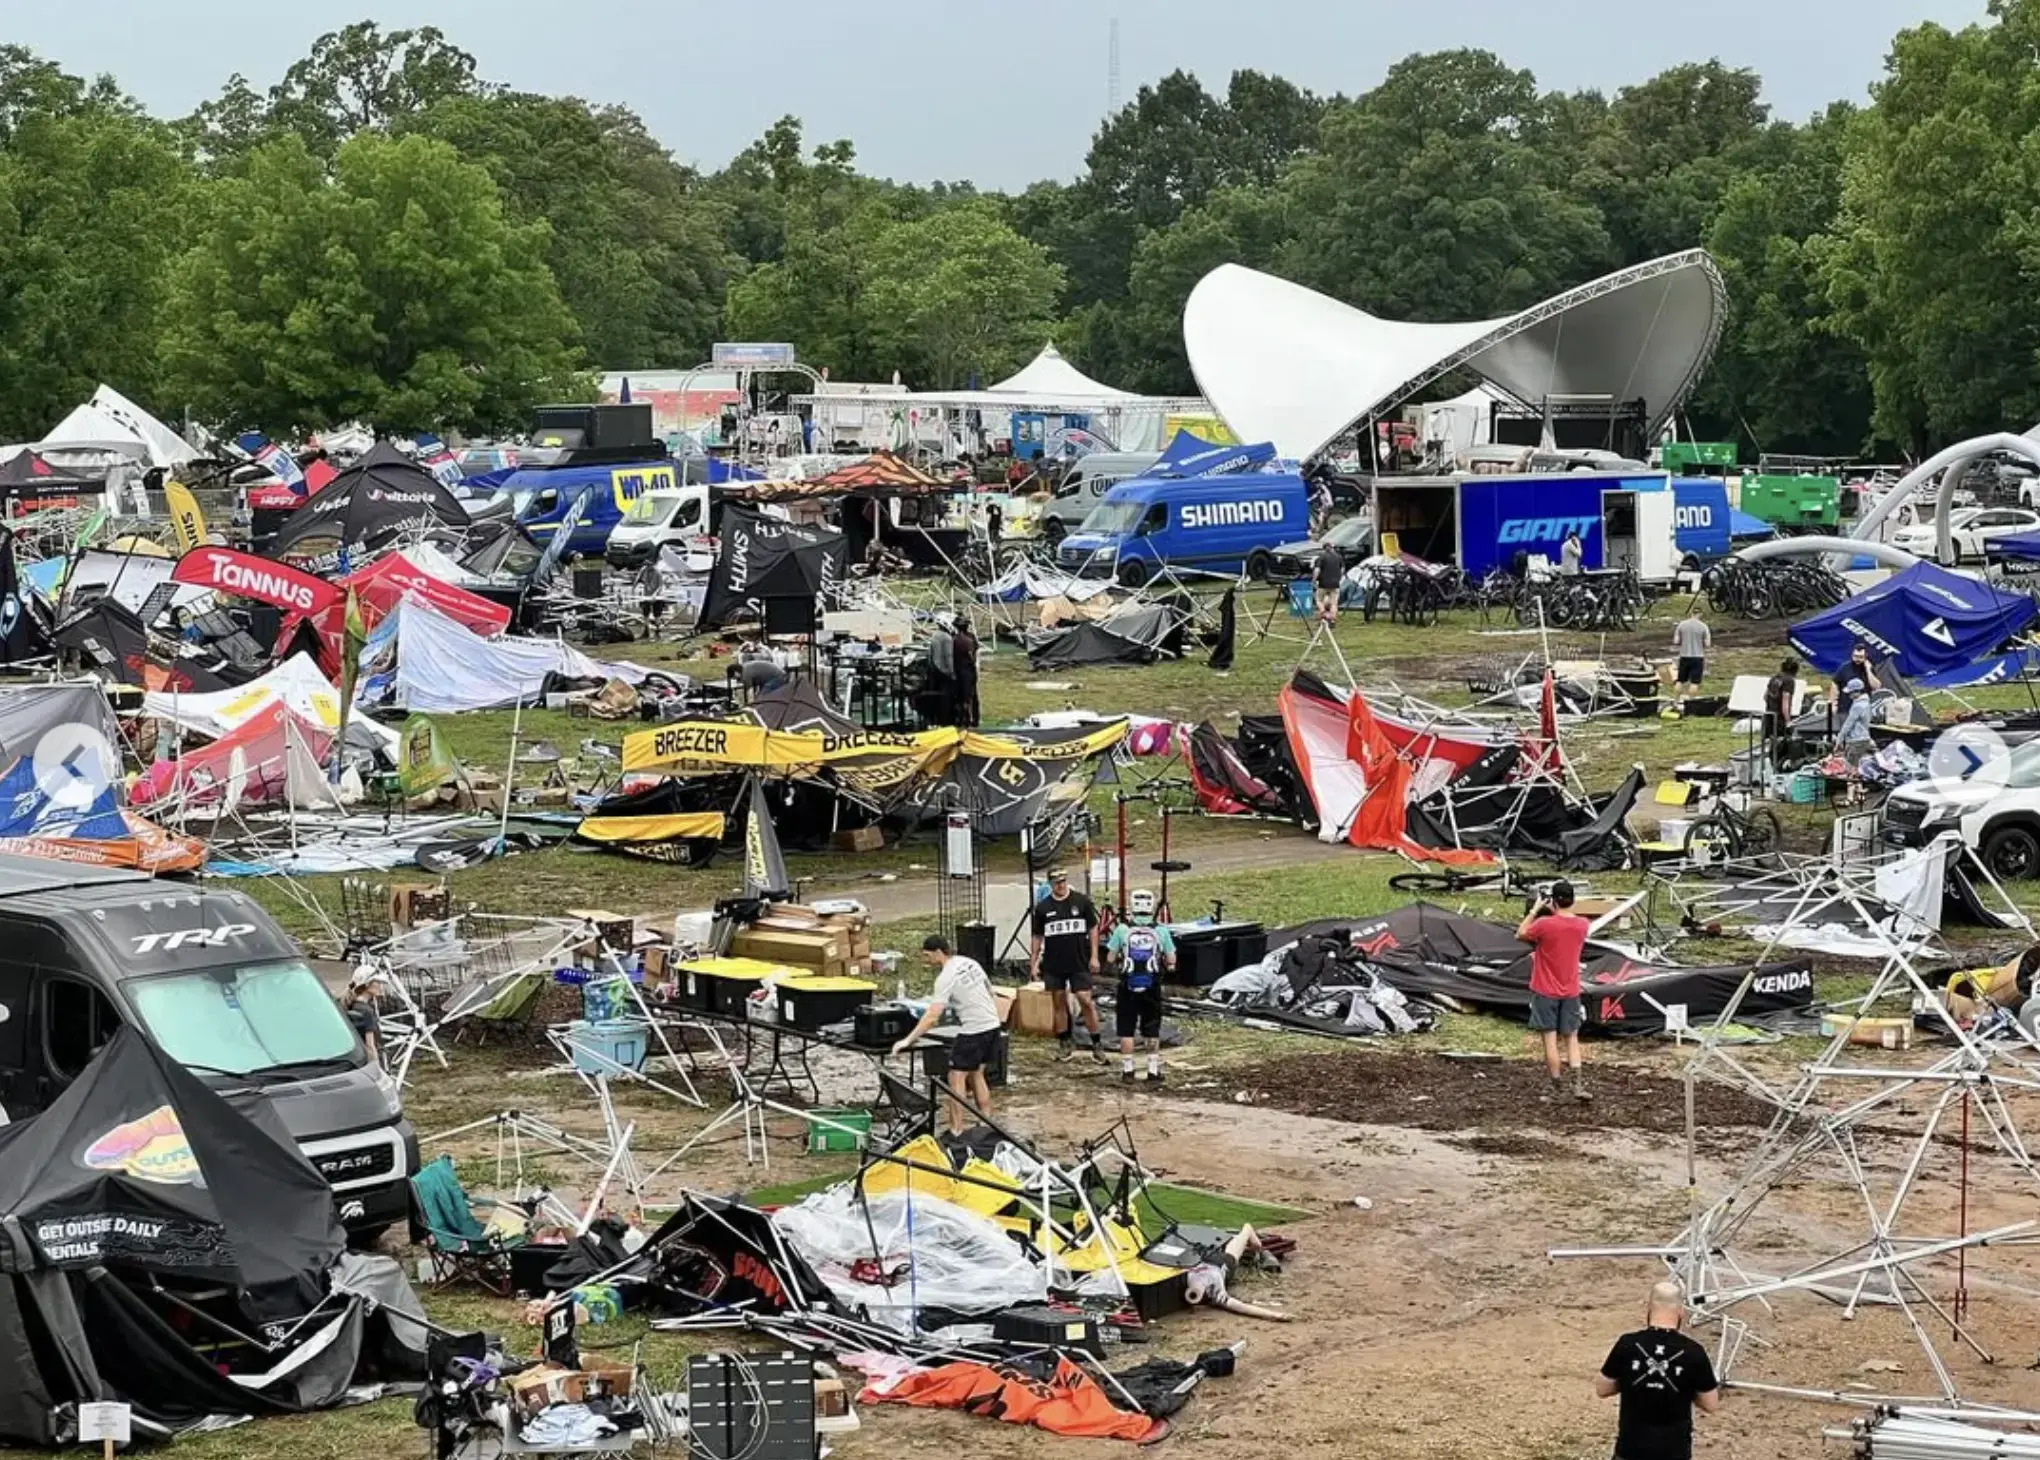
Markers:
point(367, 505)
point(23, 635)
point(1540, 819)
point(1228, 632)
point(720, 1254)
point(760, 558)
point(1127, 639)
point(139, 1166)
point(1224, 785)
point(105, 639)
point(1425, 951)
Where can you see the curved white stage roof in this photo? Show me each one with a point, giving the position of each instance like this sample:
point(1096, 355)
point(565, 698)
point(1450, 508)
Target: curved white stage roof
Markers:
point(1286, 364)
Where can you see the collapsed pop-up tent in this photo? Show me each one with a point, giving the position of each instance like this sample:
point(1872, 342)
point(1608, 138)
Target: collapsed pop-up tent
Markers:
point(1427, 951)
point(136, 1199)
point(369, 504)
point(1925, 619)
point(440, 665)
point(1020, 778)
point(107, 640)
point(762, 558)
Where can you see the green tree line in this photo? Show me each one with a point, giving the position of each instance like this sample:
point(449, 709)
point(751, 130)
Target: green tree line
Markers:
point(381, 235)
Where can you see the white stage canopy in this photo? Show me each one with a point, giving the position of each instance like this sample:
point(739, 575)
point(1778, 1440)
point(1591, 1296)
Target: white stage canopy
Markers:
point(1286, 364)
point(1047, 385)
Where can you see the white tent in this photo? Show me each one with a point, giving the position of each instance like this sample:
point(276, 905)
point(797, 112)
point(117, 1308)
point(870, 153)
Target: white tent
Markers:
point(297, 682)
point(165, 447)
point(1451, 428)
point(89, 435)
point(1286, 364)
point(1048, 376)
point(443, 666)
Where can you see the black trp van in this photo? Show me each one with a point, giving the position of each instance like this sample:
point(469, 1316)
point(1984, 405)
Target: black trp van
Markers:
point(211, 979)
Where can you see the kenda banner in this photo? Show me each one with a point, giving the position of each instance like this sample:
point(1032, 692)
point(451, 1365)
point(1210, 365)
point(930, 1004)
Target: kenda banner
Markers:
point(247, 576)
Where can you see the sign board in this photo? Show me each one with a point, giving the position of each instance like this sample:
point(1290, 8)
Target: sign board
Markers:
point(729, 355)
point(959, 853)
point(557, 1336)
point(103, 1422)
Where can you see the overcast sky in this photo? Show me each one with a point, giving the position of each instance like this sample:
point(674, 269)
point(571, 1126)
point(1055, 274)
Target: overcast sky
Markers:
point(998, 93)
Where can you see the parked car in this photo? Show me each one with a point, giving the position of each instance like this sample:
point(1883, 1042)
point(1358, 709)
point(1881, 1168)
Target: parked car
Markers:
point(1969, 528)
point(1999, 822)
point(1352, 536)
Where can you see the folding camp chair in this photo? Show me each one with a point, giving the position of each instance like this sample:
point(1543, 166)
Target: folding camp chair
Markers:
point(906, 1111)
point(509, 1009)
point(459, 1245)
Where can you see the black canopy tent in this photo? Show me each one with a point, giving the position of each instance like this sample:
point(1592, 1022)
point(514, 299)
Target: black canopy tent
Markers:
point(142, 1207)
point(762, 560)
point(31, 483)
point(368, 505)
point(106, 639)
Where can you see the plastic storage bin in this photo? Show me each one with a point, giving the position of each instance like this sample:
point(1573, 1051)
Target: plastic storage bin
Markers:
point(827, 1137)
point(600, 1047)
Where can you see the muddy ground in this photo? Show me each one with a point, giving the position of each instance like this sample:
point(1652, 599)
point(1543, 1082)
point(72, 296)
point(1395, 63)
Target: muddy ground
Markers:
point(1433, 1322)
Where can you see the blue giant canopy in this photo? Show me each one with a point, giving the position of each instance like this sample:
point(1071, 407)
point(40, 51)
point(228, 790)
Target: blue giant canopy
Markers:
point(1926, 620)
point(1192, 456)
point(1743, 524)
point(2022, 545)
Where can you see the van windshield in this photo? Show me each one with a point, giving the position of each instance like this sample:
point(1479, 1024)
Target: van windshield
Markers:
point(242, 1020)
point(1113, 519)
point(651, 510)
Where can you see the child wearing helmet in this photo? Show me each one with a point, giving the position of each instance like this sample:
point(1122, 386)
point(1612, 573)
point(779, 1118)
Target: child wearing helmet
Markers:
point(1144, 951)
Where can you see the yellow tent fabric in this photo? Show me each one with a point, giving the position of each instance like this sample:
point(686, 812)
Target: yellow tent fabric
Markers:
point(680, 826)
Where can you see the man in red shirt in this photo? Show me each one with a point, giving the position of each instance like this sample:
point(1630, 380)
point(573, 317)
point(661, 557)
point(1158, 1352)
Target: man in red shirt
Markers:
point(1556, 936)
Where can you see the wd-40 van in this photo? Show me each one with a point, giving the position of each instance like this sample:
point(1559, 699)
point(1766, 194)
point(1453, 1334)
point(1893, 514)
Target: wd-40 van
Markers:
point(1209, 524)
point(213, 982)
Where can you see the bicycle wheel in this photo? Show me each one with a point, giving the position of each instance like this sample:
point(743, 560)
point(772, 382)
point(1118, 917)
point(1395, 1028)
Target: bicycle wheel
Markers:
point(1442, 881)
point(1710, 842)
point(1761, 833)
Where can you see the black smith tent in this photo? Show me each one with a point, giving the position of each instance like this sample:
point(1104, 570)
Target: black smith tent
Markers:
point(368, 505)
point(762, 558)
point(142, 1214)
point(1427, 952)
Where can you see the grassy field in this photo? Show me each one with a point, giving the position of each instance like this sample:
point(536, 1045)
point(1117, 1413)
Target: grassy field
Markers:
point(1253, 868)
point(1259, 870)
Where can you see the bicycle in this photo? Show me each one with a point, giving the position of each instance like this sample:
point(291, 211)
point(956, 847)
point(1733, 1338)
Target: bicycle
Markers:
point(1497, 881)
point(1734, 834)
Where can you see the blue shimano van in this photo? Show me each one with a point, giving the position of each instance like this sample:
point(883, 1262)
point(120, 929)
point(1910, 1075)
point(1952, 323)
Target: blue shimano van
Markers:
point(1227, 523)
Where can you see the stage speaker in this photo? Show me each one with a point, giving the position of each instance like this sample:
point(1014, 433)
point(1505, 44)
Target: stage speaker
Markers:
point(977, 940)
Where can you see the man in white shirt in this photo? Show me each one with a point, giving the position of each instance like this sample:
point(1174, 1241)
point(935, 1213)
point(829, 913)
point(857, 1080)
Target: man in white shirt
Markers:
point(962, 985)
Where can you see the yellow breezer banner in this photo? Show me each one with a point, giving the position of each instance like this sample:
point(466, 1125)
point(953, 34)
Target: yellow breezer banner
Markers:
point(993, 746)
point(185, 517)
point(728, 745)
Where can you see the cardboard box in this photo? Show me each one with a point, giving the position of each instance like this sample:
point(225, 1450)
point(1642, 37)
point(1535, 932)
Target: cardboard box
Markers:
point(816, 949)
point(659, 962)
point(863, 839)
point(412, 903)
point(545, 1386)
point(1034, 1012)
point(831, 1399)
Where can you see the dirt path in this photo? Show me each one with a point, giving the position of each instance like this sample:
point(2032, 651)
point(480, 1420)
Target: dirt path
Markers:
point(1433, 1324)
